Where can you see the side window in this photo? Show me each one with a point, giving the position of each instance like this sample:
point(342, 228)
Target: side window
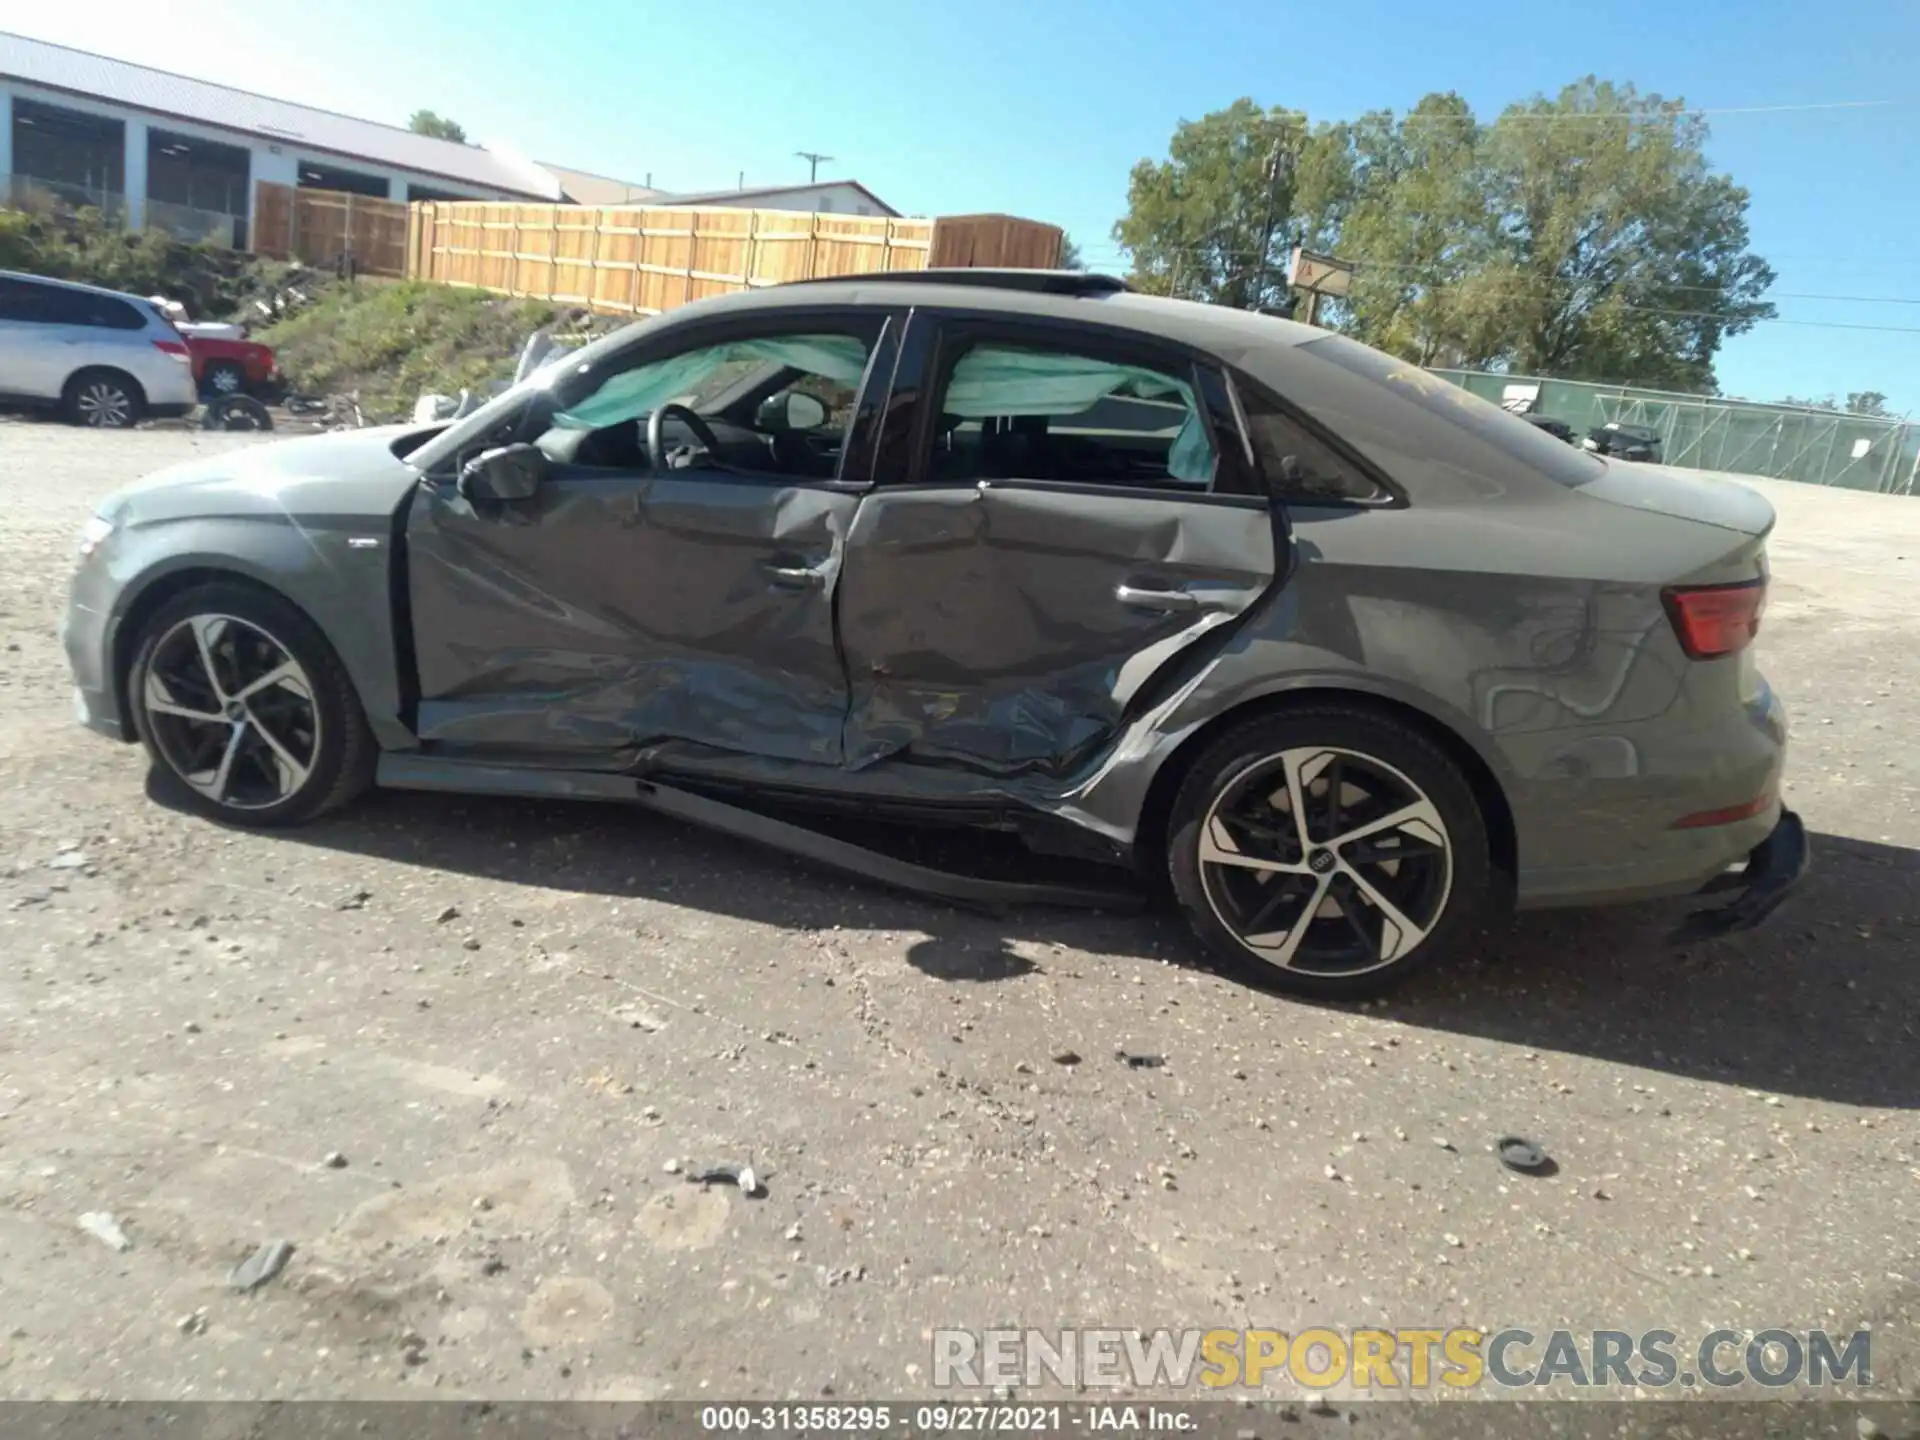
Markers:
point(24, 302)
point(1038, 413)
point(773, 404)
point(115, 314)
point(61, 306)
point(1301, 467)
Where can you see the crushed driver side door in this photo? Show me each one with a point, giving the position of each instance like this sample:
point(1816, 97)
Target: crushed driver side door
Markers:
point(618, 611)
point(1032, 567)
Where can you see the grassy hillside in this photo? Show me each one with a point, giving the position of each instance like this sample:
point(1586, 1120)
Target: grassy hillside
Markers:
point(387, 340)
point(392, 340)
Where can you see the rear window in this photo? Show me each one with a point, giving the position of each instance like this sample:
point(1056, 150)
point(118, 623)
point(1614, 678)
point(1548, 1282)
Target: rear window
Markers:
point(1485, 421)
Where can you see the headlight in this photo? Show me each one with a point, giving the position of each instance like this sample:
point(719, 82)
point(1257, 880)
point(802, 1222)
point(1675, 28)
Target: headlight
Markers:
point(95, 531)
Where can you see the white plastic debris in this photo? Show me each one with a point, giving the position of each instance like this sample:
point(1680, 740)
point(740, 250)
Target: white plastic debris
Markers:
point(104, 1228)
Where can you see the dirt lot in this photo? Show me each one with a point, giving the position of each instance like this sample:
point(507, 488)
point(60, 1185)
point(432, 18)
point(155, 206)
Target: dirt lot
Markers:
point(511, 1020)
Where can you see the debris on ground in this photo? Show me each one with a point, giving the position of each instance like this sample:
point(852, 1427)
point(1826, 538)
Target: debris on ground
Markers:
point(104, 1228)
point(334, 1160)
point(1523, 1155)
point(1140, 1062)
point(740, 1175)
point(193, 1323)
point(236, 412)
point(261, 1266)
point(356, 901)
point(1065, 1057)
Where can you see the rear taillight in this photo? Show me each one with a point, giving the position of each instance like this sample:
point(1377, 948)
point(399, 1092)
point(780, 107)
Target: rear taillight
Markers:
point(1716, 620)
point(174, 348)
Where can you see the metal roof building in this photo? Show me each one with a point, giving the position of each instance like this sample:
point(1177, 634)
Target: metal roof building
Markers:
point(184, 153)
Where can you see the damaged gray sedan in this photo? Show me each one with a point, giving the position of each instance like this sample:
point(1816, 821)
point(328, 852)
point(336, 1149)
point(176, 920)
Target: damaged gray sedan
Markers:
point(1343, 657)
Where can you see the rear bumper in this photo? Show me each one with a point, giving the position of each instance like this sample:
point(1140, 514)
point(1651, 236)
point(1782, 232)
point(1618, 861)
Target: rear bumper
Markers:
point(1774, 867)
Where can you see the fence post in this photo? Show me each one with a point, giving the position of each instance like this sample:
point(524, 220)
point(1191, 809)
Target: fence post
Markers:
point(693, 254)
point(639, 255)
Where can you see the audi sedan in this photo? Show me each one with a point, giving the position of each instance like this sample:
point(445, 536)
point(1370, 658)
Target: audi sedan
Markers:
point(1337, 656)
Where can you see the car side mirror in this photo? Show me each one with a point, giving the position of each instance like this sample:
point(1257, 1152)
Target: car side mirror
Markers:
point(508, 472)
point(795, 410)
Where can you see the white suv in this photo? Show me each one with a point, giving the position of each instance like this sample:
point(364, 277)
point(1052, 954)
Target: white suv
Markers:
point(100, 357)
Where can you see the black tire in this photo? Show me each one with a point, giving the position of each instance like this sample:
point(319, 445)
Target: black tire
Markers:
point(1367, 761)
point(223, 378)
point(103, 399)
point(315, 723)
point(236, 412)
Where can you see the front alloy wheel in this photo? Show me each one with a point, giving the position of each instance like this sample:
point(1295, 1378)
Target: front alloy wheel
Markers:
point(232, 712)
point(246, 710)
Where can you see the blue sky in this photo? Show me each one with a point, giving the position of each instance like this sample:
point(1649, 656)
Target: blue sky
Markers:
point(1040, 107)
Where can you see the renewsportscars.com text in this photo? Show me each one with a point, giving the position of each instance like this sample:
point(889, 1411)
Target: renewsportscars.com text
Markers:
point(1407, 1359)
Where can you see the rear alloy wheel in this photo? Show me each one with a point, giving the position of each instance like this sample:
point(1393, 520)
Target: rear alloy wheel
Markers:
point(1330, 851)
point(102, 400)
point(246, 710)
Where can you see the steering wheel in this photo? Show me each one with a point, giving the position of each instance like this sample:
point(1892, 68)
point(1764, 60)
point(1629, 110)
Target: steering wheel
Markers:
point(657, 434)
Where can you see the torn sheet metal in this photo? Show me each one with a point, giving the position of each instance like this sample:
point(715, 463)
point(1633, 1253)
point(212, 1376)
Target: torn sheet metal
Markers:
point(607, 612)
point(1007, 629)
point(417, 772)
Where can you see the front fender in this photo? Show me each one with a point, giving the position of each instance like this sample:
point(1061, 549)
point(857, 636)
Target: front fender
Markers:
point(340, 574)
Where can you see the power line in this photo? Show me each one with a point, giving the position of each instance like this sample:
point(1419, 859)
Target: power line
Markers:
point(1532, 285)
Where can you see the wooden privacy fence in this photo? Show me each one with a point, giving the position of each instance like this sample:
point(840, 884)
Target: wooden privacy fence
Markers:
point(330, 228)
point(641, 260)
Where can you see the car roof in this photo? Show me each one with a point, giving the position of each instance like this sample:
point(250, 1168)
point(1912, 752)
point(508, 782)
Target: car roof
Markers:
point(1097, 299)
point(140, 300)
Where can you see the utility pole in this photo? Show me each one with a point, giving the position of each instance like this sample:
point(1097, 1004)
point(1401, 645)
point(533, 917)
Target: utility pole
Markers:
point(813, 163)
point(1275, 160)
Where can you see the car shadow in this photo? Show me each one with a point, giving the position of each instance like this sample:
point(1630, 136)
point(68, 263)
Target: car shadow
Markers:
point(1821, 1002)
point(1824, 1002)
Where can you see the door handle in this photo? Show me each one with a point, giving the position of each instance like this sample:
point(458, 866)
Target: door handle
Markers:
point(796, 577)
point(1168, 602)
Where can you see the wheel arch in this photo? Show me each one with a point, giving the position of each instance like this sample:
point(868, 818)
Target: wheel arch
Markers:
point(146, 602)
point(131, 380)
point(1495, 808)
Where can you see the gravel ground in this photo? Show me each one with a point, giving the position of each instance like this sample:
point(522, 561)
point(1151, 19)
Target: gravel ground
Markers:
point(515, 1022)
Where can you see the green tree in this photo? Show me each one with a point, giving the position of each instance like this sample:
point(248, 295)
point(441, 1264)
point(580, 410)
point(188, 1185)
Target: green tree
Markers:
point(1195, 221)
point(1617, 253)
point(1582, 236)
point(1070, 258)
point(426, 122)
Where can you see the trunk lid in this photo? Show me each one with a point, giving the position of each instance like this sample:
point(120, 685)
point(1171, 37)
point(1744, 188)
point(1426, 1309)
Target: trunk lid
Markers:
point(1684, 494)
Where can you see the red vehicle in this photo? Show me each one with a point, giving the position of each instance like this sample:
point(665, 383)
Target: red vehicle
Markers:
point(225, 362)
point(229, 367)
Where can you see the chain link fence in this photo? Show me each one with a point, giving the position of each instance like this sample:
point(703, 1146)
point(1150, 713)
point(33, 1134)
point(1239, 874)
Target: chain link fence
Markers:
point(1703, 432)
